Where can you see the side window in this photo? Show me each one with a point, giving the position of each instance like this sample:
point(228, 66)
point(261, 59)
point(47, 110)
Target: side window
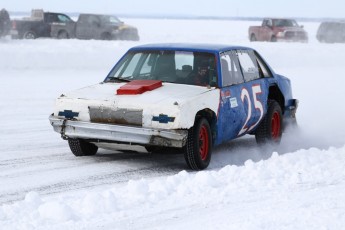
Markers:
point(263, 67)
point(249, 65)
point(267, 22)
point(63, 18)
point(230, 69)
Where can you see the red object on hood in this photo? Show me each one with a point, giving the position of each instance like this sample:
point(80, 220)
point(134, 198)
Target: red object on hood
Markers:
point(138, 87)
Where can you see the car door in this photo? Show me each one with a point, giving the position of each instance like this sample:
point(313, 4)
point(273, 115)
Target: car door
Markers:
point(254, 91)
point(45, 27)
point(243, 94)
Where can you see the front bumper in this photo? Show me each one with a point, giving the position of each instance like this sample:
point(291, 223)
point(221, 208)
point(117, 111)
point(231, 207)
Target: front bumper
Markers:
point(292, 36)
point(303, 40)
point(98, 132)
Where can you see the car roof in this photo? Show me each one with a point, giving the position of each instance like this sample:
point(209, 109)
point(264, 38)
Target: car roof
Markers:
point(292, 19)
point(211, 48)
point(98, 15)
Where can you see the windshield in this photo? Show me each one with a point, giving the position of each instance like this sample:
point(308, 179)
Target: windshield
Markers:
point(193, 68)
point(285, 23)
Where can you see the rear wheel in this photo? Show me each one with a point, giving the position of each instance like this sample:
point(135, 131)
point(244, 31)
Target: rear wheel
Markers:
point(199, 145)
point(80, 147)
point(253, 38)
point(29, 35)
point(270, 128)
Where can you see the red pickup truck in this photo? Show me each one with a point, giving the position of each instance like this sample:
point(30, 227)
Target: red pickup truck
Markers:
point(278, 29)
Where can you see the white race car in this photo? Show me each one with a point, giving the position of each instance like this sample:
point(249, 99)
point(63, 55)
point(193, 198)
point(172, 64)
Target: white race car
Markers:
point(189, 97)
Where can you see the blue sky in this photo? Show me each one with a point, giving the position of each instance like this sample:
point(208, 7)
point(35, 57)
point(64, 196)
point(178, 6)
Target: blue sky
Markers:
point(244, 8)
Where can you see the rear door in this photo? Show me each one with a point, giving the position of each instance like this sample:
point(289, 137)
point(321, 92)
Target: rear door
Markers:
point(254, 92)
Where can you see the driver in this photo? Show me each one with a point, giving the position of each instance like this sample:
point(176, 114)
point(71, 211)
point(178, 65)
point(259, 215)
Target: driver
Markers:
point(201, 77)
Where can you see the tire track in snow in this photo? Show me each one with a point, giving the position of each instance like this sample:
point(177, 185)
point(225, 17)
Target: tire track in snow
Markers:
point(57, 173)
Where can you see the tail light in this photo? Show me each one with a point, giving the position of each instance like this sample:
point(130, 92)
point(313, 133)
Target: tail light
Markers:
point(14, 25)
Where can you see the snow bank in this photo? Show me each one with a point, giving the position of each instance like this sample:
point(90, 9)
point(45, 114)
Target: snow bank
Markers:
point(289, 177)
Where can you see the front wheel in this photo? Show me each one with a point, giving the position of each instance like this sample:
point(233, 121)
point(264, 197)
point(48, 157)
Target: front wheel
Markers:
point(199, 145)
point(270, 128)
point(80, 147)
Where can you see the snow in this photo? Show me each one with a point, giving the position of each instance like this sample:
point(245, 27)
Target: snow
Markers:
point(298, 185)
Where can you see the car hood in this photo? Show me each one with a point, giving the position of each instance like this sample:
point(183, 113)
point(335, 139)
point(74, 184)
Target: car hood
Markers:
point(168, 93)
point(126, 27)
point(174, 100)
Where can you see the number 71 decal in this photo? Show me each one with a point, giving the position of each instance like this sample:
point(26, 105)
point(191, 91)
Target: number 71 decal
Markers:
point(256, 89)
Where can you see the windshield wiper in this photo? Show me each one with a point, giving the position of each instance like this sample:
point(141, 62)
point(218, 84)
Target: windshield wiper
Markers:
point(116, 79)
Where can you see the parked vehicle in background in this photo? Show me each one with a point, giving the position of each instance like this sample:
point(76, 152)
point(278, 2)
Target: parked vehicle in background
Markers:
point(278, 29)
point(5, 23)
point(331, 32)
point(182, 97)
point(95, 26)
point(38, 25)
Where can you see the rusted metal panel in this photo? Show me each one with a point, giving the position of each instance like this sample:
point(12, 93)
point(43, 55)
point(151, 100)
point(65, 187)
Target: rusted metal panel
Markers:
point(99, 114)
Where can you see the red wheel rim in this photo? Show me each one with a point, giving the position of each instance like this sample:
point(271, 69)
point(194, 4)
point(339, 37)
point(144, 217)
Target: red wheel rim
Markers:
point(203, 143)
point(275, 126)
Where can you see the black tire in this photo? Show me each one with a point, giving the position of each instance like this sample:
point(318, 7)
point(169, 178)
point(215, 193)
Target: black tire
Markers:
point(82, 148)
point(199, 145)
point(273, 39)
point(253, 38)
point(63, 35)
point(270, 128)
point(29, 35)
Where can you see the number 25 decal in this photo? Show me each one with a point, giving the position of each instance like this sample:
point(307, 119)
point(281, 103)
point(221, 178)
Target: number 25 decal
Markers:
point(256, 89)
